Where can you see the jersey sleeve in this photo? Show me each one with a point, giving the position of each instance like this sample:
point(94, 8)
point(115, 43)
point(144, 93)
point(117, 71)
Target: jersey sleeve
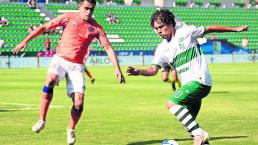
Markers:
point(160, 62)
point(158, 59)
point(197, 32)
point(58, 21)
point(102, 37)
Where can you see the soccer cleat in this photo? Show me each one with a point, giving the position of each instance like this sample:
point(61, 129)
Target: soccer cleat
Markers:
point(92, 81)
point(201, 138)
point(190, 133)
point(206, 143)
point(174, 86)
point(71, 136)
point(38, 126)
point(178, 84)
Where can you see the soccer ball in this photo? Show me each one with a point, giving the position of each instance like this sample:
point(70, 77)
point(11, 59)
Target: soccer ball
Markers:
point(169, 142)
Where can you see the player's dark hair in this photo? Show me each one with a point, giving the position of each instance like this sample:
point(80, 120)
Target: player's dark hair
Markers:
point(90, 1)
point(164, 16)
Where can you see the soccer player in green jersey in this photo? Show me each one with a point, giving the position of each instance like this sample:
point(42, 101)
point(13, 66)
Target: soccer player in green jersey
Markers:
point(186, 57)
point(174, 81)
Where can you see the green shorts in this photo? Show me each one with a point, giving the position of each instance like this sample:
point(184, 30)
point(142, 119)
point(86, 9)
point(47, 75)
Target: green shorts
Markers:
point(190, 93)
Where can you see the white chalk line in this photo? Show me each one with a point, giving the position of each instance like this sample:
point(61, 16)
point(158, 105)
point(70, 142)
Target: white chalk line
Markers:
point(29, 106)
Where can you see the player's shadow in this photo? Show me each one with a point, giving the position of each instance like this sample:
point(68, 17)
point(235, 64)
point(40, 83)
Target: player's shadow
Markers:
point(149, 142)
point(220, 92)
point(9, 110)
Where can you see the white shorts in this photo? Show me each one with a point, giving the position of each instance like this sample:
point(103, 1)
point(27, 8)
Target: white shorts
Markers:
point(72, 71)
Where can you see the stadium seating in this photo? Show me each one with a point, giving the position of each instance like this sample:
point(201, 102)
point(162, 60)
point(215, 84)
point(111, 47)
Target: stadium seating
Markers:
point(226, 17)
point(20, 17)
point(134, 26)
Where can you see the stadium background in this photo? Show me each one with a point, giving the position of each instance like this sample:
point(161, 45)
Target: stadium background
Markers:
point(133, 34)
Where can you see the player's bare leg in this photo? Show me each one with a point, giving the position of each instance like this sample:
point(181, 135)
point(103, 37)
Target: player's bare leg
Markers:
point(92, 79)
point(76, 111)
point(165, 78)
point(46, 98)
point(176, 81)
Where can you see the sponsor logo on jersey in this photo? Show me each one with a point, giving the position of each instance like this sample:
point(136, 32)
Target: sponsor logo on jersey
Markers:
point(91, 29)
point(183, 70)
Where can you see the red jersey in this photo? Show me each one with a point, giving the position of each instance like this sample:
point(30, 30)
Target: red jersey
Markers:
point(77, 36)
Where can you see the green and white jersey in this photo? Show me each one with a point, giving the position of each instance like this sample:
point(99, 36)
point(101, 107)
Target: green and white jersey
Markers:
point(183, 53)
point(161, 49)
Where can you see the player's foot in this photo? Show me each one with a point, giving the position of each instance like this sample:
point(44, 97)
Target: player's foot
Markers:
point(190, 133)
point(201, 138)
point(92, 81)
point(38, 126)
point(71, 136)
point(206, 143)
point(174, 86)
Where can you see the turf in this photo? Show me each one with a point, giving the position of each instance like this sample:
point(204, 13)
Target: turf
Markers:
point(130, 114)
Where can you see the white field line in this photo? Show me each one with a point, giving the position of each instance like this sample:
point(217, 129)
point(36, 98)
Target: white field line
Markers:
point(245, 72)
point(29, 106)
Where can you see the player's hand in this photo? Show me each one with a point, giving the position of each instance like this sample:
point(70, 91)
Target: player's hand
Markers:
point(20, 46)
point(242, 28)
point(132, 71)
point(121, 78)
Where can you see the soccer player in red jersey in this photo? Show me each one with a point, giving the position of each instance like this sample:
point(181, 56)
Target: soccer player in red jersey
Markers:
point(79, 31)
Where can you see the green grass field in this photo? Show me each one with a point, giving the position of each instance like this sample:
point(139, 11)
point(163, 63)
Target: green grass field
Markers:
point(130, 114)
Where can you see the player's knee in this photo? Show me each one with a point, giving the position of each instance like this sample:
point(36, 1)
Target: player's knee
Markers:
point(165, 79)
point(170, 104)
point(78, 109)
point(52, 84)
point(48, 89)
point(47, 97)
point(78, 106)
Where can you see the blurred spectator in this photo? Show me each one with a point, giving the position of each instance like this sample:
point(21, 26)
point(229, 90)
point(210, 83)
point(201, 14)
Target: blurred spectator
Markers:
point(1, 42)
point(61, 29)
point(31, 28)
point(39, 54)
point(41, 23)
point(53, 31)
point(128, 2)
point(32, 4)
point(244, 42)
point(111, 18)
point(47, 46)
point(47, 53)
point(109, 2)
point(4, 21)
point(67, 2)
point(51, 53)
point(213, 37)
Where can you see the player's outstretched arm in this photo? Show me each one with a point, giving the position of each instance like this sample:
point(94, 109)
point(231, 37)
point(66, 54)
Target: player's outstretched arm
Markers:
point(111, 54)
point(38, 31)
point(149, 71)
point(20, 46)
point(210, 29)
point(132, 71)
